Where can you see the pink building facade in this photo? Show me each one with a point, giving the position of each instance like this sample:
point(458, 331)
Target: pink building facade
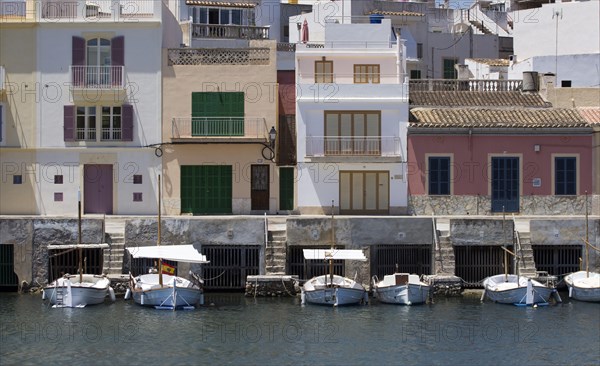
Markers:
point(493, 159)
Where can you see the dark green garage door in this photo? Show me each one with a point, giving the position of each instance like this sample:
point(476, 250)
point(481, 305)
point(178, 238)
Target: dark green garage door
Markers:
point(206, 189)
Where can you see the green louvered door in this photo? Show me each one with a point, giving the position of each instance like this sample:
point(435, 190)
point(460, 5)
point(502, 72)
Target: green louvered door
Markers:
point(286, 188)
point(206, 189)
point(218, 114)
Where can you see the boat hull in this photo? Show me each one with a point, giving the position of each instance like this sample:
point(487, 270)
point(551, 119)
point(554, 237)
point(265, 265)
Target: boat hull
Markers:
point(584, 288)
point(334, 296)
point(92, 291)
point(166, 297)
point(403, 294)
point(510, 289)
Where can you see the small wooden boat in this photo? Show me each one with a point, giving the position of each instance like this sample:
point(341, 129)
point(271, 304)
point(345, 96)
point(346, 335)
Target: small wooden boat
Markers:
point(584, 286)
point(517, 290)
point(78, 291)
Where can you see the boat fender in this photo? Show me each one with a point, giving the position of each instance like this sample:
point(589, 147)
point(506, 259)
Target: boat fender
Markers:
point(127, 294)
point(43, 295)
point(366, 298)
point(302, 298)
point(111, 293)
point(570, 291)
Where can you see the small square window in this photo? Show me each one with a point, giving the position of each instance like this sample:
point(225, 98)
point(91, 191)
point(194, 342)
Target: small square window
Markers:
point(137, 179)
point(17, 179)
point(58, 179)
point(58, 197)
point(565, 83)
point(137, 197)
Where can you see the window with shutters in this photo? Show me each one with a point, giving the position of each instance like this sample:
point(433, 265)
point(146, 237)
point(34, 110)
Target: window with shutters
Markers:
point(98, 123)
point(364, 74)
point(323, 71)
point(98, 62)
point(565, 175)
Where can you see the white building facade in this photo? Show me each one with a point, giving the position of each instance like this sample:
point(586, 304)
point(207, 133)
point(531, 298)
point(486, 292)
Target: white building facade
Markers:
point(96, 96)
point(351, 116)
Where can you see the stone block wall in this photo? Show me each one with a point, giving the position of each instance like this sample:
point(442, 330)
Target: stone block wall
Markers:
point(31, 237)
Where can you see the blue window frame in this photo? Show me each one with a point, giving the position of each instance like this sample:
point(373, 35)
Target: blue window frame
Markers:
point(439, 175)
point(565, 176)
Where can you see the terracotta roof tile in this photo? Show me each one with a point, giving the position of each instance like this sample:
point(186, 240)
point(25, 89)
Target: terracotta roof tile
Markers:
point(475, 99)
point(496, 118)
point(491, 61)
point(590, 114)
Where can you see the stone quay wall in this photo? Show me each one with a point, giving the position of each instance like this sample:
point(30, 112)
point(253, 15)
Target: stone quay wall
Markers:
point(32, 236)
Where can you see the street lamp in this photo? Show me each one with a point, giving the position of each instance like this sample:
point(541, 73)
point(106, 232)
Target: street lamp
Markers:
point(272, 136)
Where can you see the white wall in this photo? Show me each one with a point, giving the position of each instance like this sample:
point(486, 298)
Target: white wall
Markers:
point(582, 70)
point(142, 75)
point(578, 29)
point(70, 164)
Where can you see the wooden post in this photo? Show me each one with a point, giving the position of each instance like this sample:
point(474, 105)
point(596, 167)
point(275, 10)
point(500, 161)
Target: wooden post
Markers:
point(587, 239)
point(80, 252)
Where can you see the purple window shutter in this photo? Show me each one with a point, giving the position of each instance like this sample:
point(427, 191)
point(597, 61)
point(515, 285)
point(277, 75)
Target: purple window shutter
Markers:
point(78, 51)
point(117, 58)
point(69, 122)
point(117, 51)
point(1, 121)
point(127, 122)
point(78, 60)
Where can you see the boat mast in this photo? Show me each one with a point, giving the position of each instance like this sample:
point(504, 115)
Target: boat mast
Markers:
point(80, 250)
point(332, 245)
point(587, 239)
point(160, 279)
point(505, 254)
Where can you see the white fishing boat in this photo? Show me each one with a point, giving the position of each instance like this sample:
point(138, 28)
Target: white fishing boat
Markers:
point(78, 291)
point(401, 288)
point(165, 291)
point(517, 290)
point(332, 289)
point(584, 286)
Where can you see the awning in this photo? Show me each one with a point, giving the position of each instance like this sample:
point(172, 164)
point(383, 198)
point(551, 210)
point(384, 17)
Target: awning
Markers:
point(352, 254)
point(179, 253)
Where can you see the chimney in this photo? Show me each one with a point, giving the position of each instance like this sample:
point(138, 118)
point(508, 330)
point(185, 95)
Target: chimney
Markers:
point(462, 72)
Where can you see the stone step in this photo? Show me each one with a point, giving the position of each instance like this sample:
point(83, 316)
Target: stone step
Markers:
point(277, 227)
point(273, 269)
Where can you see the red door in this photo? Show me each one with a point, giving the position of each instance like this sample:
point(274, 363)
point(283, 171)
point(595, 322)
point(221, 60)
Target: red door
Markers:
point(97, 188)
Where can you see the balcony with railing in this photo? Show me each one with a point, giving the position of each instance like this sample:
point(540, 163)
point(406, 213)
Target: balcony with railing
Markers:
point(384, 146)
point(220, 129)
point(334, 88)
point(98, 77)
point(229, 31)
point(100, 10)
point(219, 56)
point(474, 85)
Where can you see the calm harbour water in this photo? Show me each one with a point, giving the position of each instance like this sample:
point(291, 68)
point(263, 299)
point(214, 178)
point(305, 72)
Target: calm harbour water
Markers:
point(277, 331)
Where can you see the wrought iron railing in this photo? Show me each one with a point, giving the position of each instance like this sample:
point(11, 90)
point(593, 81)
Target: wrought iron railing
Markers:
point(356, 145)
point(97, 77)
point(199, 127)
point(465, 85)
point(219, 56)
point(109, 9)
point(231, 31)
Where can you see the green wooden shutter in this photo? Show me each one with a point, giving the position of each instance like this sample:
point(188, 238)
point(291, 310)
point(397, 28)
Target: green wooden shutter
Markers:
point(218, 114)
point(286, 188)
point(206, 189)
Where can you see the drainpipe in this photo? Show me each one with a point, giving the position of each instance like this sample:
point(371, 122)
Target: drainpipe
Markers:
point(400, 59)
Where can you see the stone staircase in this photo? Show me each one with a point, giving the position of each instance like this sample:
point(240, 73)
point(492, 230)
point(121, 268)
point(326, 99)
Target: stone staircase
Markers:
point(527, 262)
point(113, 257)
point(444, 256)
point(275, 250)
